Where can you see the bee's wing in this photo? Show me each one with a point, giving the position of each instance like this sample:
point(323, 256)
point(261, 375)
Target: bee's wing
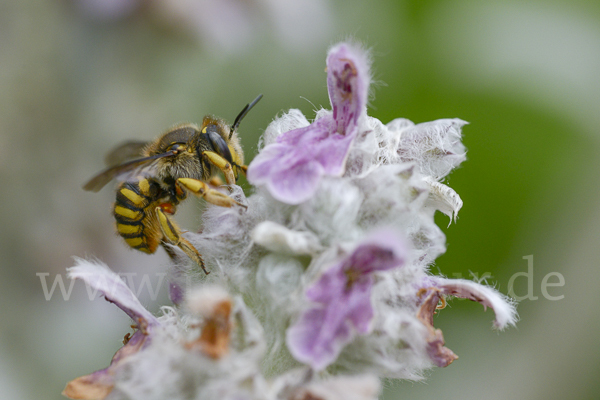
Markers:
point(127, 151)
point(125, 169)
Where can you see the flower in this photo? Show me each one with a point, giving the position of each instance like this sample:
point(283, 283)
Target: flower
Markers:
point(292, 167)
point(170, 349)
point(505, 313)
point(342, 298)
point(434, 146)
point(488, 297)
point(361, 387)
point(96, 275)
point(329, 267)
point(214, 305)
point(440, 355)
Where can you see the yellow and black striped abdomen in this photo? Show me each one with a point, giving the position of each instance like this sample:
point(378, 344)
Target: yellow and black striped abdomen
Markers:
point(134, 212)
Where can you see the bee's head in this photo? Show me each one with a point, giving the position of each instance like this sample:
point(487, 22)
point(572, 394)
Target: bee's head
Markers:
point(184, 163)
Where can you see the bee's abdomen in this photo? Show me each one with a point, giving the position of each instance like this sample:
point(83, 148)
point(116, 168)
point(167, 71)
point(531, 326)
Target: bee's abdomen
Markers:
point(132, 208)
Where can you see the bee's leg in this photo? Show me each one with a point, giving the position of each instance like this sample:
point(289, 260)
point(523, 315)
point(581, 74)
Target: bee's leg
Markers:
point(213, 196)
point(172, 235)
point(222, 164)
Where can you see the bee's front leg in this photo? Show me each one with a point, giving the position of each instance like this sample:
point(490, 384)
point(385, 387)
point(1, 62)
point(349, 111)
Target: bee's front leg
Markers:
point(213, 196)
point(172, 235)
point(221, 163)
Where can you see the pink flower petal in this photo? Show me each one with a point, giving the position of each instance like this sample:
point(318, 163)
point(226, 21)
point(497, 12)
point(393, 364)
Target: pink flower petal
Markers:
point(292, 167)
point(99, 277)
point(342, 301)
point(348, 85)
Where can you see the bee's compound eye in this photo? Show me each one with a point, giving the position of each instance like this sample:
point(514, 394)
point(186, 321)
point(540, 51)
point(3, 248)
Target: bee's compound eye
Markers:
point(219, 145)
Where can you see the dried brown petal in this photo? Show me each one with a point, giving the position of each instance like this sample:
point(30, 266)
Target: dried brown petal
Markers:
point(99, 384)
point(214, 337)
point(440, 355)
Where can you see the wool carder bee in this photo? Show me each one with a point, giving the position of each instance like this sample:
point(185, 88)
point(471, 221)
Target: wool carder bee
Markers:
point(155, 177)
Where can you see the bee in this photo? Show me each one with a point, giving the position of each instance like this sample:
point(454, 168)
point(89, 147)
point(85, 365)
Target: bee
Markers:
point(156, 176)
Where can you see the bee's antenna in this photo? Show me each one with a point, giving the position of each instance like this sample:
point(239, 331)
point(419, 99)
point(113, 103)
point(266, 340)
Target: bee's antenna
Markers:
point(242, 114)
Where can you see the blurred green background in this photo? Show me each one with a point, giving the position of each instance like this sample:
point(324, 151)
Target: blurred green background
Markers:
point(77, 77)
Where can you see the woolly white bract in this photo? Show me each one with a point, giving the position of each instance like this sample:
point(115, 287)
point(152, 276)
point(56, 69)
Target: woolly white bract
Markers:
point(306, 294)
